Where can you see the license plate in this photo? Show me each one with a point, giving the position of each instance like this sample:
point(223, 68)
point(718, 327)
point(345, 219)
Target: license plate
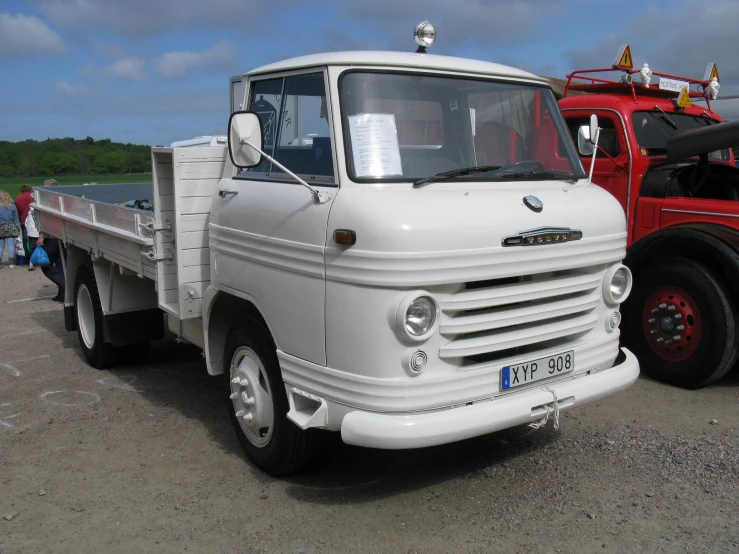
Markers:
point(517, 375)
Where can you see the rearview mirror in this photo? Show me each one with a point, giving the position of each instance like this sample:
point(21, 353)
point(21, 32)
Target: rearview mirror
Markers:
point(594, 129)
point(245, 139)
point(584, 146)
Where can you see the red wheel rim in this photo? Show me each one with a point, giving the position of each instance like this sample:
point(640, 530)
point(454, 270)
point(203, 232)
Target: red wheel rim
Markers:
point(672, 324)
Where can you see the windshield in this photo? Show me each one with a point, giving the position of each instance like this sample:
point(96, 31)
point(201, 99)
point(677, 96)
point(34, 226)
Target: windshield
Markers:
point(653, 128)
point(406, 127)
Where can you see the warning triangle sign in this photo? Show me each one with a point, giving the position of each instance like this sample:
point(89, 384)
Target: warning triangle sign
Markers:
point(711, 73)
point(624, 59)
point(683, 100)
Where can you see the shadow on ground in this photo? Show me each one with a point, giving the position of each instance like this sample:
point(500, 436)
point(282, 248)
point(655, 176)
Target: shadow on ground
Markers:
point(174, 376)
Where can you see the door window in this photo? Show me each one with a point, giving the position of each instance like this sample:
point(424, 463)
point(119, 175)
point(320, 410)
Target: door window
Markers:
point(295, 126)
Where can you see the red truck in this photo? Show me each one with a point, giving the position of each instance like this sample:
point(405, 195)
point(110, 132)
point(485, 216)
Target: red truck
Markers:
point(666, 156)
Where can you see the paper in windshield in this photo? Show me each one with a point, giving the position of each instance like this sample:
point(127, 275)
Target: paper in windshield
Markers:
point(375, 145)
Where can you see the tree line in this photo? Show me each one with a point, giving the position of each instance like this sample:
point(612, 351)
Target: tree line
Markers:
point(68, 156)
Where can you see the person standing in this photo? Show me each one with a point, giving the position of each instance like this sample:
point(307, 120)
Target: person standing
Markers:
point(23, 205)
point(10, 227)
point(32, 234)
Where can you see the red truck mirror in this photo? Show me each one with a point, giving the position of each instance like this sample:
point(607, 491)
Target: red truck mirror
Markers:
point(584, 146)
point(594, 129)
point(587, 137)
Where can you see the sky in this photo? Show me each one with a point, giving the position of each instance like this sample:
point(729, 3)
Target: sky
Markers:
point(156, 71)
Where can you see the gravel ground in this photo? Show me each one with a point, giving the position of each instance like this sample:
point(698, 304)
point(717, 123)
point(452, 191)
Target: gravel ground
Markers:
point(142, 458)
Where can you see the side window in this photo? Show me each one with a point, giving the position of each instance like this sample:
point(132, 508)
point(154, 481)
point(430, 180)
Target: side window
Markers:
point(238, 88)
point(266, 101)
point(294, 125)
point(608, 140)
point(304, 143)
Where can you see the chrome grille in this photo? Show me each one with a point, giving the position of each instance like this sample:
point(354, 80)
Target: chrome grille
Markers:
point(502, 316)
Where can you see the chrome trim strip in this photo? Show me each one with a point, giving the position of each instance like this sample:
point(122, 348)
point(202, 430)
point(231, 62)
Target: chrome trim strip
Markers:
point(406, 269)
point(713, 214)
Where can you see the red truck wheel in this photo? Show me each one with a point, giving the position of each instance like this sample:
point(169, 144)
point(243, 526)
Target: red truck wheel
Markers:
point(680, 323)
point(672, 324)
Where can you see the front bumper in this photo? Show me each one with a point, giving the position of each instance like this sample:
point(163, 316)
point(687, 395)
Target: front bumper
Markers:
point(376, 430)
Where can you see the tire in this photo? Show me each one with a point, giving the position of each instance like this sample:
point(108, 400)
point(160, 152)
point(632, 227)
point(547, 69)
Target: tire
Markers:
point(681, 298)
point(271, 441)
point(88, 313)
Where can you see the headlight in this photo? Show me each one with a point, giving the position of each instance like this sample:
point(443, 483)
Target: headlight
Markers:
point(420, 316)
point(425, 34)
point(617, 284)
point(416, 316)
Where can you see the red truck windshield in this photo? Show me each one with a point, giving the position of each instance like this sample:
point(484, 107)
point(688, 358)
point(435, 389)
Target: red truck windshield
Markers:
point(653, 128)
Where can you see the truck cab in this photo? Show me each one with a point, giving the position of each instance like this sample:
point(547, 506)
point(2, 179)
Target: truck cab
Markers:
point(666, 156)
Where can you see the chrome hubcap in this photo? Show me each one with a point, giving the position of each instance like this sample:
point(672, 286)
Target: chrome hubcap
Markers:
point(85, 316)
point(251, 396)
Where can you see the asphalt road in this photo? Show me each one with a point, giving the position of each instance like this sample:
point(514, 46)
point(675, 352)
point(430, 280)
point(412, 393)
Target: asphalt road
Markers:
point(142, 458)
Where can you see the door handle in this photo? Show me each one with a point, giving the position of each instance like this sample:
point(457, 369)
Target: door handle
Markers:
point(224, 193)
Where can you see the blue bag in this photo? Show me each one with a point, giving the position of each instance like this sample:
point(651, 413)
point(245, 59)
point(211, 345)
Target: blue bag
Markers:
point(40, 257)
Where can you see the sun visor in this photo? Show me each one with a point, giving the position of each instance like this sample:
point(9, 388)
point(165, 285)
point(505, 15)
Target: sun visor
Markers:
point(702, 141)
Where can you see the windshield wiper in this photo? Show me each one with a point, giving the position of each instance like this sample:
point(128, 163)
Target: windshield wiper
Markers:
point(666, 117)
point(564, 175)
point(455, 173)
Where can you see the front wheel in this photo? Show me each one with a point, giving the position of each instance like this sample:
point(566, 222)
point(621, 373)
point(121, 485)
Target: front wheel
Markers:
point(681, 325)
point(258, 404)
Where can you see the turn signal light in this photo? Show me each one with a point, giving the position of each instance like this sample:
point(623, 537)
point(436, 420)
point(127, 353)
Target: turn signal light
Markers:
point(347, 237)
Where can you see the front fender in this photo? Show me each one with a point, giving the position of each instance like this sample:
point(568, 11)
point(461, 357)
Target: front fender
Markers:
point(715, 246)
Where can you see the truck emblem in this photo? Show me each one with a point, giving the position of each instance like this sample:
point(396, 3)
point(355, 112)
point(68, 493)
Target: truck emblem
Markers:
point(541, 236)
point(533, 203)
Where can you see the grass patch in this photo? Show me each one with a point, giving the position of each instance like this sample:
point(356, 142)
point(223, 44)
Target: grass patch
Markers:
point(13, 185)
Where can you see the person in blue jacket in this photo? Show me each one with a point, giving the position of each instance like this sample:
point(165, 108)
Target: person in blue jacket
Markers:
point(10, 227)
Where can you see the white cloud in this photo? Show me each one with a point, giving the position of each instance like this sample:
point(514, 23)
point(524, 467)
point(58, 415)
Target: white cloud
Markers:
point(149, 17)
point(481, 22)
point(69, 89)
point(129, 68)
point(106, 49)
point(27, 36)
point(175, 66)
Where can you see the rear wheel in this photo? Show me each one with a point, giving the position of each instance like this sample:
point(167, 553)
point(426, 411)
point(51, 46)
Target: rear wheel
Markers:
point(258, 404)
point(681, 324)
point(89, 315)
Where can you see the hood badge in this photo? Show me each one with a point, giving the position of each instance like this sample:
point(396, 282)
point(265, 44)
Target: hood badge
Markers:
point(533, 203)
point(543, 235)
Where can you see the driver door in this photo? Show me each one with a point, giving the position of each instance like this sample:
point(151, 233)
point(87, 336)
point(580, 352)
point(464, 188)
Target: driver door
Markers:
point(271, 235)
point(612, 161)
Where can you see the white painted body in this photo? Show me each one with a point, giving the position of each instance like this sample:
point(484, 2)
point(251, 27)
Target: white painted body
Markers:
point(331, 309)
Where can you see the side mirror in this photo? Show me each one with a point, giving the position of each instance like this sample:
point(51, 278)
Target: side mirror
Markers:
point(594, 129)
point(584, 146)
point(245, 139)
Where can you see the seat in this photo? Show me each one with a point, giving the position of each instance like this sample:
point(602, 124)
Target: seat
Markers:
point(724, 190)
point(323, 160)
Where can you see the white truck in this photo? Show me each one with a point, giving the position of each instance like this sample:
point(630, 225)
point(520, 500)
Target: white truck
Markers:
point(400, 247)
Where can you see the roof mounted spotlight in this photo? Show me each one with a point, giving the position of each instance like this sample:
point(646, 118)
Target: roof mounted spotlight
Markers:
point(425, 35)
